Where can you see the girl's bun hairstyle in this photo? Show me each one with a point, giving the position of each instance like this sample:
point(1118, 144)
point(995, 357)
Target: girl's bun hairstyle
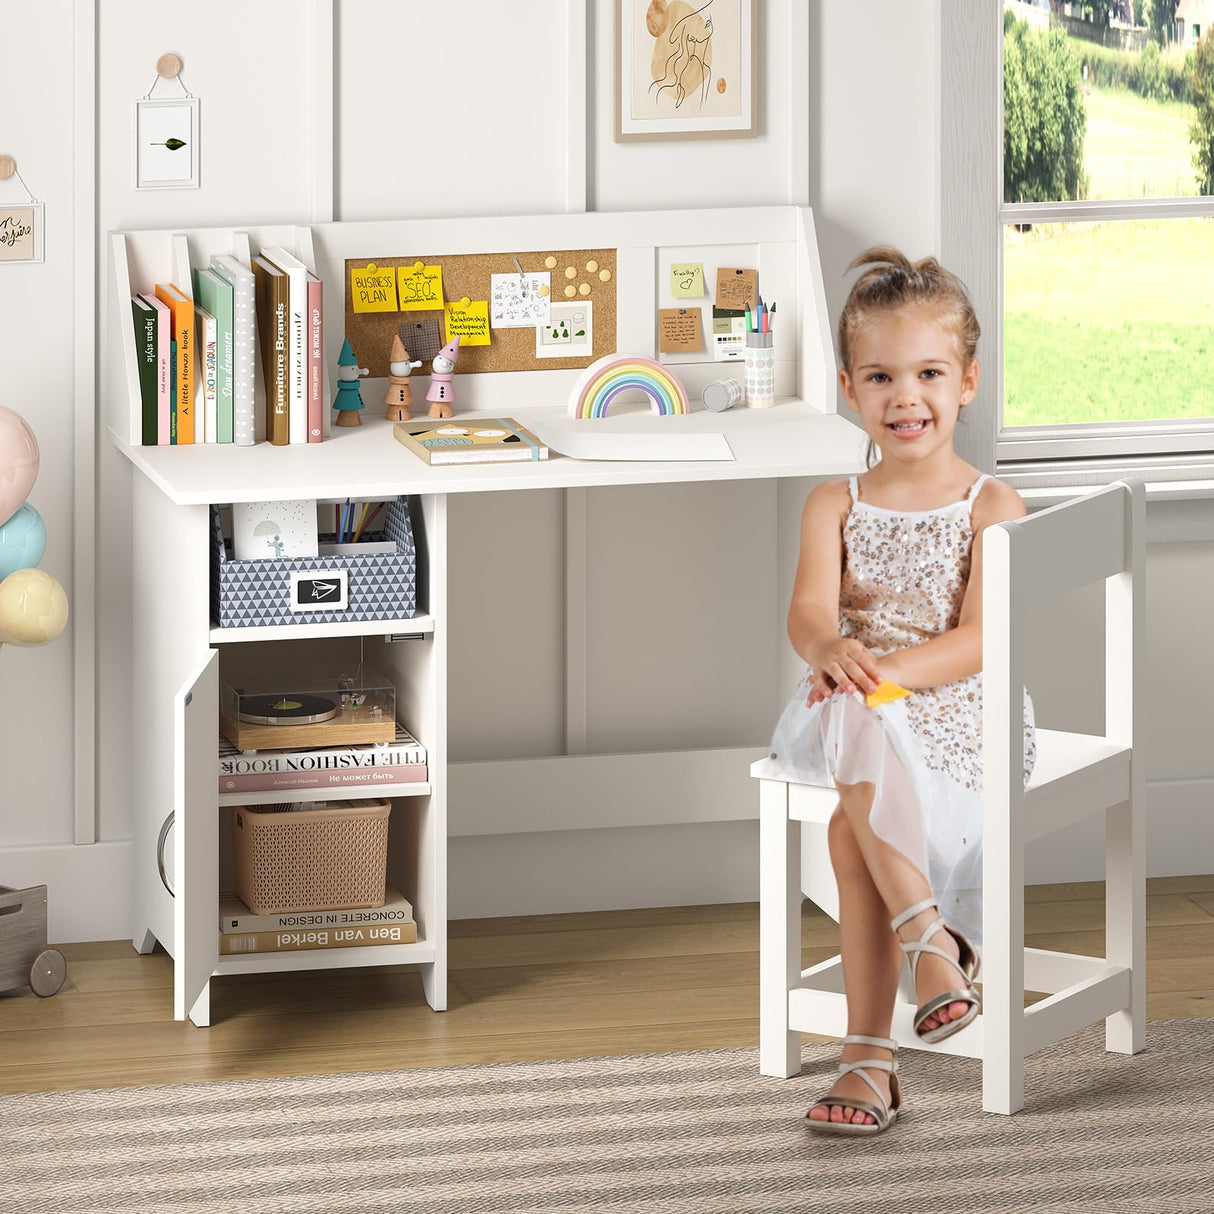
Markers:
point(892, 283)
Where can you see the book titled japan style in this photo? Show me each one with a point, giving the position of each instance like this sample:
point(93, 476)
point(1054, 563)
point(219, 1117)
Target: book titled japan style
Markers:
point(490, 440)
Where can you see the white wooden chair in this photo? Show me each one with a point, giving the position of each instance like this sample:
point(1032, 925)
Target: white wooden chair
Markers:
point(1095, 537)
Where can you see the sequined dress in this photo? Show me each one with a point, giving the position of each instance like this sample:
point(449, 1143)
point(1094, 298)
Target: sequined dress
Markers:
point(904, 578)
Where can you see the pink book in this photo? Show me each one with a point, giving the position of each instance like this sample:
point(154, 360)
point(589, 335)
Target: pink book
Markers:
point(345, 777)
point(164, 338)
point(316, 355)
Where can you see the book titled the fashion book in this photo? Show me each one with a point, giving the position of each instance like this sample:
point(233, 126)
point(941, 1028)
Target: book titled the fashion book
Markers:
point(234, 916)
point(491, 440)
point(401, 761)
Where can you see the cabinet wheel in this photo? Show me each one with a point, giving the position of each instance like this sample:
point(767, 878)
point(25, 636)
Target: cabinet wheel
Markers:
point(48, 972)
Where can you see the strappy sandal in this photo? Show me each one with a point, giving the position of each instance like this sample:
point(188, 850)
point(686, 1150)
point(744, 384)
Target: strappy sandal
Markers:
point(883, 1115)
point(967, 966)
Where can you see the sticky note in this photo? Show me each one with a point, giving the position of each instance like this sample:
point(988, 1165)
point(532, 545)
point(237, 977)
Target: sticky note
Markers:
point(420, 287)
point(737, 288)
point(469, 321)
point(886, 691)
point(679, 330)
point(687, 280)
point(373, 289)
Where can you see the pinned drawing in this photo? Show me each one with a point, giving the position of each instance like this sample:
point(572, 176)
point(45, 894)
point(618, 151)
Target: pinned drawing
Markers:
point(519, 301)
point(685, 69)
point(568, 332)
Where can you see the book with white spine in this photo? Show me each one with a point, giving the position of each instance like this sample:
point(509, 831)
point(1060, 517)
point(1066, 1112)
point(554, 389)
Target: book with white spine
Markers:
point(403, 750)
point(244, 339)
point(297, 329)
point(234, 916)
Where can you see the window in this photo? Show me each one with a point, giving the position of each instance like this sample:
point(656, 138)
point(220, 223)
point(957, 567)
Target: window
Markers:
point(1101, 278)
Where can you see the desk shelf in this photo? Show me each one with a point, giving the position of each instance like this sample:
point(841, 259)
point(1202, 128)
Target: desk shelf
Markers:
point(415, 627)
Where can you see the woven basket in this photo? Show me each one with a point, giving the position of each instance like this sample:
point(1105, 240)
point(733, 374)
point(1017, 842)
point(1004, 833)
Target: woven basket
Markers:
point(332, 858)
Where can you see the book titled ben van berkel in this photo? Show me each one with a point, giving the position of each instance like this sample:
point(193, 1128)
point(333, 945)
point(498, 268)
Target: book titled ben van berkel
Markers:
point(181, 308)
point(273, 293)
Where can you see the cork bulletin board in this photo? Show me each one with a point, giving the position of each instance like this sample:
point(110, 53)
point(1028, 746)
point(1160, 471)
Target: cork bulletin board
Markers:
point(576, 276)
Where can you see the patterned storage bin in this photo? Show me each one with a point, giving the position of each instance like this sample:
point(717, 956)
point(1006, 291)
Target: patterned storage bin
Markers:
point(379, 585)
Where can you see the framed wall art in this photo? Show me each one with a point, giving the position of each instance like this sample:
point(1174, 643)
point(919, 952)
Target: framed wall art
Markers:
point(685, 69)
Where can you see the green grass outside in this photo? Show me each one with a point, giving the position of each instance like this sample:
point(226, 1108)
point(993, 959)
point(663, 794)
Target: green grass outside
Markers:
point(1108, 322)
point(1114, 321)
point(1136, 148)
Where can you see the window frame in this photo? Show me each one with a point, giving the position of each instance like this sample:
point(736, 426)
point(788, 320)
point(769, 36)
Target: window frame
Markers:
point(973, 217)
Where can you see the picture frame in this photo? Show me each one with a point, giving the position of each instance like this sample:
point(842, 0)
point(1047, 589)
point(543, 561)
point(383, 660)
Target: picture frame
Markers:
point(166, 143)
point(692, 78)
point(21, 233)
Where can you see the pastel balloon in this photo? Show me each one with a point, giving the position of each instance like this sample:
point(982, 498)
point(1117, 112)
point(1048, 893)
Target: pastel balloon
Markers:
point(22, 540)
point(33, 608)
point(18, 462)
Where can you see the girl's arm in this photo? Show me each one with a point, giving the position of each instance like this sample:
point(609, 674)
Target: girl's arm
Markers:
point(957, 653)
point(813, 616)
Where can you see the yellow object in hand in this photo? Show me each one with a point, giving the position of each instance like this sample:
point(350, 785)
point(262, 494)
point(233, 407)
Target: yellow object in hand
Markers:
point(886, 691)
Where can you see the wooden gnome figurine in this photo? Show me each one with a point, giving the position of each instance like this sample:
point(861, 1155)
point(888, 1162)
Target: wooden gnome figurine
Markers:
point(348, 400)
point(399, 396)
point(441, 393)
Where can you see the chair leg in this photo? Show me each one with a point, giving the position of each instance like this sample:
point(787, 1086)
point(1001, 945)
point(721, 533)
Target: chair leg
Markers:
point(1002, 967)
point(1125, 921)
point(779, 930)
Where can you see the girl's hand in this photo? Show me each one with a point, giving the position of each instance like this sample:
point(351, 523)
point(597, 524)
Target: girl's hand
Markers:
point(847, 664)
point(820, 688)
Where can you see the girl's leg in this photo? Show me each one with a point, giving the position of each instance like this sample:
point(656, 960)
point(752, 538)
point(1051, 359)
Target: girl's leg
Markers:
point(901, 884)
point(871, 964)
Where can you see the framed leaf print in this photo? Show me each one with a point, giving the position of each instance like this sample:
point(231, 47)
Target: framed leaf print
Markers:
point(166, 143)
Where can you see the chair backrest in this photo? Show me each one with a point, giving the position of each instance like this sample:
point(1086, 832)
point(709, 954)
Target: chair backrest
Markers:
point(1028, 561)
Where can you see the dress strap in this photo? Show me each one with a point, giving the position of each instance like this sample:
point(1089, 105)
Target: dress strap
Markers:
point(854, 485)
point(976, 488)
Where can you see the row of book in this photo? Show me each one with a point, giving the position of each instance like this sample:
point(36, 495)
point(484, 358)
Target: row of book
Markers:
point(196, 354)
point(241, 931)
point(401, 761)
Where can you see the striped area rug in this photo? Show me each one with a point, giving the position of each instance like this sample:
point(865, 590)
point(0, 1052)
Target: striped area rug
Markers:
point(695, 1132)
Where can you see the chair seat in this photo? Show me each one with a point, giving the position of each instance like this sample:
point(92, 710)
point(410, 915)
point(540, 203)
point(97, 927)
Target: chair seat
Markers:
point(1075, 775)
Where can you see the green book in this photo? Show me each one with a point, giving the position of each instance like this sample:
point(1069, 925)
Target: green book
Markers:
point(145, 357)
point(215, 296)
point(173, 393)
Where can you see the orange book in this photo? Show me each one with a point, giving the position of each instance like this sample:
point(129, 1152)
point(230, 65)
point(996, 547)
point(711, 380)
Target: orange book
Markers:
point(181, 307)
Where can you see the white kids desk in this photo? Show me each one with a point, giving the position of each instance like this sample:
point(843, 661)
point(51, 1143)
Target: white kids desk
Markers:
point(176, 647)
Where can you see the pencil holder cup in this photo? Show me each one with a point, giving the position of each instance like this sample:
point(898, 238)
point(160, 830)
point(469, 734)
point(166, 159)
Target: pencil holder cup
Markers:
point(760, 371)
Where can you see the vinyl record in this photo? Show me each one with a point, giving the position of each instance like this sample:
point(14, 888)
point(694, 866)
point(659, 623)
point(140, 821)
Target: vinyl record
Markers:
point(286, 709)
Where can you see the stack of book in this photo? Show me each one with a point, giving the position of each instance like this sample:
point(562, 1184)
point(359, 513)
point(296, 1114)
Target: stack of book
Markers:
point(195, 353)
point(401, 761)
point(241, 931)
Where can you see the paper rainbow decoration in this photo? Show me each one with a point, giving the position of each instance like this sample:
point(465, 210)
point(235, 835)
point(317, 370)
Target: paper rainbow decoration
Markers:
point(612, 374)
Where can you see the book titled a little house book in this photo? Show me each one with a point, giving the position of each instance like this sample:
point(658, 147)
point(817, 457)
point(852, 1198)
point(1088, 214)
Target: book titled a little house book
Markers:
point(493, 440)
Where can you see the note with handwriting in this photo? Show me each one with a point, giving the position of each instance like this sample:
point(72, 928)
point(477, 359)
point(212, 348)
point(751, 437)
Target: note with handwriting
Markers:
point(420, 287)
point(736, 288)
point(679, 330)
point(469, 321)
point(687, 280)
point(373, 289)
point(519, 301)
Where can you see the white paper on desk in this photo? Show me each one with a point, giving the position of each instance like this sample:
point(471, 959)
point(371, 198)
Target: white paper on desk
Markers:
point(578, 441)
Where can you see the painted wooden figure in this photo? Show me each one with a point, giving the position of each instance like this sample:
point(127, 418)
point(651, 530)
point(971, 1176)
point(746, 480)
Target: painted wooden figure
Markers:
point(399, 396)
point(441, 392)
point(349, 400)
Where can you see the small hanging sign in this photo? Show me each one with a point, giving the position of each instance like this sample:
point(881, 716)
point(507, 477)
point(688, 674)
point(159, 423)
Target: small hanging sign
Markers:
point(21, 226)
point(166, 134)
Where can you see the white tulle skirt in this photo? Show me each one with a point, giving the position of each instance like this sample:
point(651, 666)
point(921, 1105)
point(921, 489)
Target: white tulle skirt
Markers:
point(927, 801)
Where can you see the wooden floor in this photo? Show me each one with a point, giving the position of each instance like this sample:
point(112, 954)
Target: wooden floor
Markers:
point(549, 986)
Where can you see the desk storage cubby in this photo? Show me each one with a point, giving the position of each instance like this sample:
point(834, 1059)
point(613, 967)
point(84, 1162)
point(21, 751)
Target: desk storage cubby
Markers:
point(326, 589)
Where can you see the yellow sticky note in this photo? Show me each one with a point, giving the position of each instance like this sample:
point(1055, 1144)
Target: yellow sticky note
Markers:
point(420, 287)
point(886, 691)
point(469, 321)
point(687, 279)
point(373, 289)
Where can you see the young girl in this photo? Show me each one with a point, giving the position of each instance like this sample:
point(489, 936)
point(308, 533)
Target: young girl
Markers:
point(889, 591)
